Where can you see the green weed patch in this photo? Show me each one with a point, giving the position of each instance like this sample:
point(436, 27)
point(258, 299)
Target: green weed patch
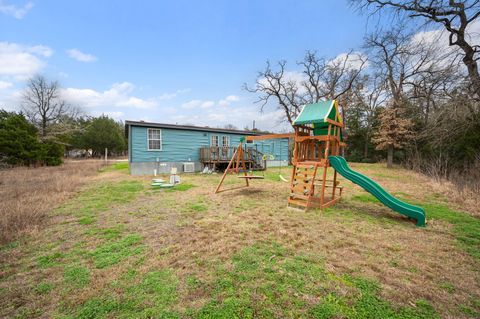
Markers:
point(365, 198)
point(466, 228)
point(111, 253)
point(120, 166)
point(78, 276)
point(43, 288)
point(150, 297)
point(180, 188)
point(267, 281)
point(97, 199)
point(50, 260)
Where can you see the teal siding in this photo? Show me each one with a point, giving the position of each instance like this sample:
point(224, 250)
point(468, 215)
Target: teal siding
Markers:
point(276, 147)
point(183, 145)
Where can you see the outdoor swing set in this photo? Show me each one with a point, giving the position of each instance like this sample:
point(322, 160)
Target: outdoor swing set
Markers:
point(318, 143)
point(237, 163)
point(313, 144)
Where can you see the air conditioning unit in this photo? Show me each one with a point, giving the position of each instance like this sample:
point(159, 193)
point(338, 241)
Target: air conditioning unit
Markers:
point(188, 167)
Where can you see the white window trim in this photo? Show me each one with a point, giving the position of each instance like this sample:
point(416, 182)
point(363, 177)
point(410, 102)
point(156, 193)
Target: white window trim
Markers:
point(148, 140)
point(228, 140)
point(211, 140)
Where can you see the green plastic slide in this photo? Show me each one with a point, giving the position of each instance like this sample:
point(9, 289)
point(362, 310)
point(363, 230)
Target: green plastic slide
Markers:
point(415, 212)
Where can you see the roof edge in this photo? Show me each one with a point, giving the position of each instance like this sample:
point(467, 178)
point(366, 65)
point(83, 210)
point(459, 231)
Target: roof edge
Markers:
point(190, 127)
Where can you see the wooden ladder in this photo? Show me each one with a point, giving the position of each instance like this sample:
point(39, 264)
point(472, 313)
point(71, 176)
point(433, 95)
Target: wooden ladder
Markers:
point(302, 187)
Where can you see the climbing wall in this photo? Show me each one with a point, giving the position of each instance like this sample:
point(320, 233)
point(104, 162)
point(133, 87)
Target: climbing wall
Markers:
point(302, 187)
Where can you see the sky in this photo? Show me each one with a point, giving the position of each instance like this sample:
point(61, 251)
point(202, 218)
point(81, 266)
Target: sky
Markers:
point(176, 61)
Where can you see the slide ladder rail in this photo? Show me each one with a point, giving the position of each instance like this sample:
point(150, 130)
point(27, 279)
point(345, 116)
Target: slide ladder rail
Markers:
point(412, 211)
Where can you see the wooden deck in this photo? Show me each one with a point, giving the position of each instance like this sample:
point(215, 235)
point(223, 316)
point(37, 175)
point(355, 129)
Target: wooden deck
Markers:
point(222, 155)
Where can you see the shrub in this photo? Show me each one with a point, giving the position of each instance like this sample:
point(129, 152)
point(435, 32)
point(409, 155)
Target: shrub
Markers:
point(52, 153)
point(19, 143)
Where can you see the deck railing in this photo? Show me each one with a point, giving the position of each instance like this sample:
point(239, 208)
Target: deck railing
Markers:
point(216, 154)
point(223, 154)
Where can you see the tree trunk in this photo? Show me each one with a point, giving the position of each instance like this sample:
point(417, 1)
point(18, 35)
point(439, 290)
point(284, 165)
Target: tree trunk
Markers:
point(365, 150)
point(390, 156)
point(44, 127)
point(471, 64)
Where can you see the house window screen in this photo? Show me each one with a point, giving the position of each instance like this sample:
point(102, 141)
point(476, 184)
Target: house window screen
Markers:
point(214, 141)
point(225, 141)
point(154, 139)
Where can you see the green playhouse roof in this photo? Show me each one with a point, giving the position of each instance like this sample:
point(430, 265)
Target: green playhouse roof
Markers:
point(318, 113)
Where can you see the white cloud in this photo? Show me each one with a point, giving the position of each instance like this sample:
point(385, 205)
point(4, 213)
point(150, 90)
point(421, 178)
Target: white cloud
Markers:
point(22, 61)
point(296, 77)
point(41, 50)
point(198, 104)
point(352, 60)
point(15, 11)
point(207, 104)
point(81, 56)
point(137, 103)
point(119, 95)
point(5, 85)
point(115, 115)
point(192, 104)
point(440, 36)
point(238, 116)
point(232, 98)
point(227, 100)
point(438, 42)
point(169, 96)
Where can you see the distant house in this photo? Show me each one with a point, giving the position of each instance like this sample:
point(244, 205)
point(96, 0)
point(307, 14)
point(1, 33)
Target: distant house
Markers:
point(156, 146)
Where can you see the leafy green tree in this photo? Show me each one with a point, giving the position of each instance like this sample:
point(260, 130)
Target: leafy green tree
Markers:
point(103, 132)
point(51, 153)
point(19, 143)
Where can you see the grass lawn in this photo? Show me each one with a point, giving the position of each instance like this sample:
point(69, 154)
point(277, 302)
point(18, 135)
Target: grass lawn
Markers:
point(121, 249)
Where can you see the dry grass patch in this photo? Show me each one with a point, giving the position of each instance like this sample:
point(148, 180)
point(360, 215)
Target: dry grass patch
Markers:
point(191, 254)
point(28, 194)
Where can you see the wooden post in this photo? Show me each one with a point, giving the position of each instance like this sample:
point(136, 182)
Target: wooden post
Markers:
point(312, 186)
point(244, 167)
point(327, 150)
point(334, 184)
point(228, 167)
point(106, 155)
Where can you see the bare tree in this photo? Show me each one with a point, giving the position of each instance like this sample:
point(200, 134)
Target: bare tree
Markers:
point(274, 84)
point(43, 104)
point(319, 79)
point(432, 89)
point(454, 16)
point(230, 127)
point(399, 60)
point(368, 97)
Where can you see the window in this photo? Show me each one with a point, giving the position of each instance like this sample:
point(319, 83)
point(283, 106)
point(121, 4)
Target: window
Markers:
point(214, 140)
point(225, 141)
point(154, 139)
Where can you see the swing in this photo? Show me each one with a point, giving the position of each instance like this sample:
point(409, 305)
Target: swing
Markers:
point(251, 177)
point(249, 173)
point(237, 162)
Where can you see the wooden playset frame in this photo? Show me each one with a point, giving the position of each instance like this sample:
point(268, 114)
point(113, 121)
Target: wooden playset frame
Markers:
point(318, 144)
point(310, 157)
